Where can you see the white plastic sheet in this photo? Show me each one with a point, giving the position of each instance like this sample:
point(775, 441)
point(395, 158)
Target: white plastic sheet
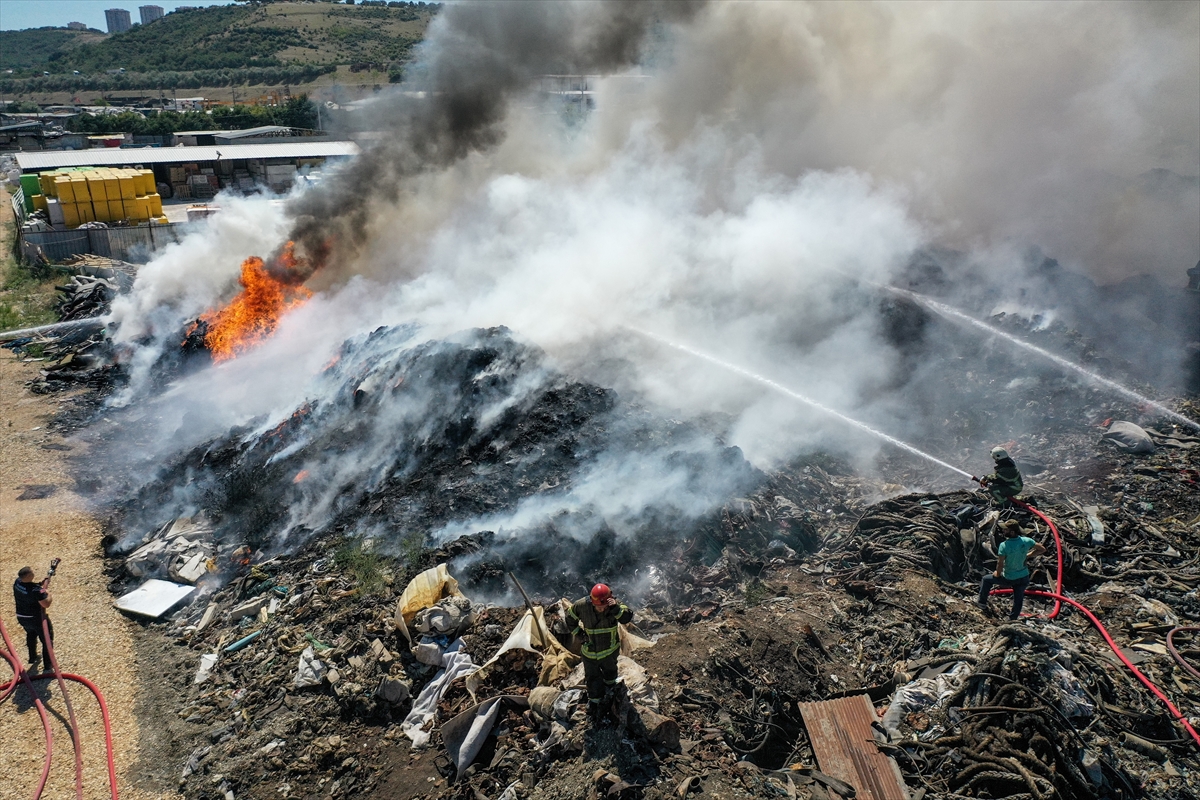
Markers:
point(154, 598)
point(455, 664)
point(310, 671)
point(465, 735)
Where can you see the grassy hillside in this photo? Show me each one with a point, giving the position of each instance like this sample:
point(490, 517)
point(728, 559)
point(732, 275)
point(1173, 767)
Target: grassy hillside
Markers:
point(230, 38)
point(32, 49)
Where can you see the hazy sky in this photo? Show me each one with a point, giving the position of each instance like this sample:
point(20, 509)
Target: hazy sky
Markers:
point(18, 14)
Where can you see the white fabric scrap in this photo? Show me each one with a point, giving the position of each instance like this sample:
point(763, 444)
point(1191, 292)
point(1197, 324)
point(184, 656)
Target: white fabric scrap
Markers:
point(455, 664)
point(311, 671)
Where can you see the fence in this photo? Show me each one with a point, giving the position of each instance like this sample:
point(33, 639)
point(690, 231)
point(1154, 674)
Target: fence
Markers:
point(136, 245)
point(124, 244)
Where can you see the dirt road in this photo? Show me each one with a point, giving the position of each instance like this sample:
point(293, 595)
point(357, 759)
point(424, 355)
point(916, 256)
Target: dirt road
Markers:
point(92, 638)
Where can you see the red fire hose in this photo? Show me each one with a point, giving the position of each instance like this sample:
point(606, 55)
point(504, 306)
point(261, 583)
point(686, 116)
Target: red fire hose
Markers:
point(19, 674)
point(1116, 650)
point(1058, 598)
point(1058, 580)
point(62, 687)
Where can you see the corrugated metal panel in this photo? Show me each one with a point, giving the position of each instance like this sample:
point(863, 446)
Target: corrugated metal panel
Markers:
point(840, 732)
point(113, 156)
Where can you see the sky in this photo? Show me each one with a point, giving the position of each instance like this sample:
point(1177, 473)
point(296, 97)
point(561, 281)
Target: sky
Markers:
point(19, 14)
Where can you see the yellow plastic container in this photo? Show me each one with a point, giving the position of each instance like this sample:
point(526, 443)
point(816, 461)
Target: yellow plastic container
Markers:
point(155, 204)
point(70, 215)
point(148, 185)
point(111, 188)
point(63, 190)
point(46, 179)
point(79, 187)
point(143, 207)
point(162, 221)
point(100, 211)
point(127, 187)
point(132, 209)
point(95, 183)
point(86, 214)
point(39, 202)
point(116, 211)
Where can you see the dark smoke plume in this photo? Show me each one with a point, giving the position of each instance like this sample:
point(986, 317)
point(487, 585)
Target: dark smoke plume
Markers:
point(479, 57)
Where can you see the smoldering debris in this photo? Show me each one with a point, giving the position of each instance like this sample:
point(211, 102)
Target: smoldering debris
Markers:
point(961, 703)
point(404, 441)
point(77, 350)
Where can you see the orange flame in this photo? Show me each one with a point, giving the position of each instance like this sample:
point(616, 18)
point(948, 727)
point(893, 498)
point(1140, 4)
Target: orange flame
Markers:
point(255, 313)
point(300, 476)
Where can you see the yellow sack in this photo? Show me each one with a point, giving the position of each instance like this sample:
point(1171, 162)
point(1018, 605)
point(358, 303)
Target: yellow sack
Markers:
point(424, 591)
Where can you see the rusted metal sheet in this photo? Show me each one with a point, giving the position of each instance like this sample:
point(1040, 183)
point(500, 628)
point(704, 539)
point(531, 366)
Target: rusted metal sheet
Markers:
point(842, 740)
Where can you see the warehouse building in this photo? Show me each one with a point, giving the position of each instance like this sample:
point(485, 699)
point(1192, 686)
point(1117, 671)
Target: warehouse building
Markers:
point(200, 172)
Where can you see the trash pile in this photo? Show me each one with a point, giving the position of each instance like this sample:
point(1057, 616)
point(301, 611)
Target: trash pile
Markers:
point(478, 427)
point(331, 596)
point(77, 348)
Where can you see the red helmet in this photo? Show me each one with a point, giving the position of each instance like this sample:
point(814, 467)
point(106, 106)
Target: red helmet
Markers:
point(601, 593)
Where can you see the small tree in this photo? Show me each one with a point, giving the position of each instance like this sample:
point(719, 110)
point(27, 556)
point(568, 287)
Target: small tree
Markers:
point(298, 112)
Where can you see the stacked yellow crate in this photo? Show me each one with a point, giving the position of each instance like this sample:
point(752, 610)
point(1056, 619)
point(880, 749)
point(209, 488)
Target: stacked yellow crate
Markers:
point(101, 194)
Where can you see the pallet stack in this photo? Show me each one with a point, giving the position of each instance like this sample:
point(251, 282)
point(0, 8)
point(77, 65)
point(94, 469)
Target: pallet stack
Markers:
point(74, 197)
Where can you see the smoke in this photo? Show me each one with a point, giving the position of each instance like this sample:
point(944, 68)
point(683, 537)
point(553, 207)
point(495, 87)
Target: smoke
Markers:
point(743, 163)
point(478, 57)
point(1072, 126)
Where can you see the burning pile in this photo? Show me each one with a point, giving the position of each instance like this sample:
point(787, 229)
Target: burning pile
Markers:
point(267, 294)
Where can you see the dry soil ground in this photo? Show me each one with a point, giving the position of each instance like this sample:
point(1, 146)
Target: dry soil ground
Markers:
point(93, 639)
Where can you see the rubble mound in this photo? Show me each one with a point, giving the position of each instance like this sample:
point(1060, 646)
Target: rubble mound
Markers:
point(412, 443)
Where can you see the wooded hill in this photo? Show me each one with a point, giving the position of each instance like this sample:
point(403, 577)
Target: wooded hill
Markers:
point(240, 37)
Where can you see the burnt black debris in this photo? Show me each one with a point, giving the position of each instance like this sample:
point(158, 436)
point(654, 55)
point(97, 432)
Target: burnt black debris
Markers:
point(408, 440)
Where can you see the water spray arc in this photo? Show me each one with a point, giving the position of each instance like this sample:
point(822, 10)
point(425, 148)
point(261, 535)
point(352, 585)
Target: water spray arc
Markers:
point(954, 314)
point(794, 395)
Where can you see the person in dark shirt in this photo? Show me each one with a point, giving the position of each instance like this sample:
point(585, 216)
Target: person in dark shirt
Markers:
point(597, 616)
point(1005, 483)
point(32, 600)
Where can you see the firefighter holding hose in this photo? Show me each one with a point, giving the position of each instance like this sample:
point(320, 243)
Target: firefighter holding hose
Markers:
point(598, 616)
point(32, 599)
point(1006, 482)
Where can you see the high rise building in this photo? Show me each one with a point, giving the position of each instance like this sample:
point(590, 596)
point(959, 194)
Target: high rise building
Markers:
point(150, 13)
point(117, 19)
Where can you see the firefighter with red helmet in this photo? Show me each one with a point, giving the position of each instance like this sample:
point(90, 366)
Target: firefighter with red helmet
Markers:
point(597, 617)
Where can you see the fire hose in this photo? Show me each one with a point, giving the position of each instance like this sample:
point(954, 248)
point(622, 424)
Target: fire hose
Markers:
point(1099, 626)
point(62, 687)
point(19, 675)
point(1058, 598)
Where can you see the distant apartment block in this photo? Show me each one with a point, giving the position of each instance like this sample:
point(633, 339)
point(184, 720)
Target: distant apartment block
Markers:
point(76, 26)
point(117, 19)
point(150, 13)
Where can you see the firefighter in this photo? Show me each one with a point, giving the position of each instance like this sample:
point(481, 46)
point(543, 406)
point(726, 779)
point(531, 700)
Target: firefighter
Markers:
point(32, 599)
point(1005, 483)
point(597, 616)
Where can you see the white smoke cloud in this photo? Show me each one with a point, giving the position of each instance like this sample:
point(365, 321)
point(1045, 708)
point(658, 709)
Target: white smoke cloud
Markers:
point(770, 151)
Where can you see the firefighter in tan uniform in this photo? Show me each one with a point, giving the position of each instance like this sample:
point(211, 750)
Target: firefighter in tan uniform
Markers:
point(597, 617)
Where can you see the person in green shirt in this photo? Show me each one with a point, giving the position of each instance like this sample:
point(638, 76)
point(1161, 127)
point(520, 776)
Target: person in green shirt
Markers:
point(1012, 571)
